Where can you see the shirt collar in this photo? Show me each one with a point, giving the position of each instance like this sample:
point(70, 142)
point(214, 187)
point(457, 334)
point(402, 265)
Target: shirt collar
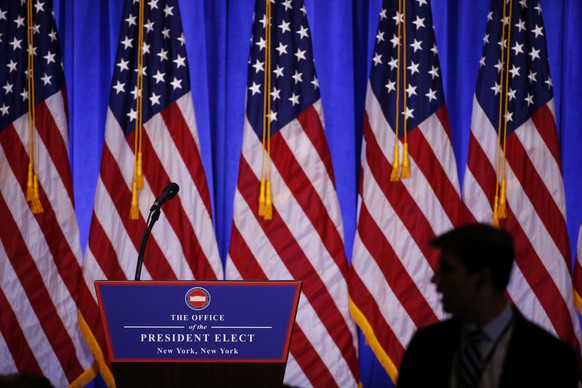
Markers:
point(496, 327)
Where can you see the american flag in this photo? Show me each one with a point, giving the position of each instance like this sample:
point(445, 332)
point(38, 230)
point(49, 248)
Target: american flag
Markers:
point(514, 143)
point(304, 238)
point(183, 244)
point(392, 263)
point(40, 253)
point(578, 273)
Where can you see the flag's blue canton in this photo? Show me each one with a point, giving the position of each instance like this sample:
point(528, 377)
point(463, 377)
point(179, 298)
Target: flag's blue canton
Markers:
point(294, 85)
point(423, 89)
point(48, 71)
point(530, 85)
point(165, 74)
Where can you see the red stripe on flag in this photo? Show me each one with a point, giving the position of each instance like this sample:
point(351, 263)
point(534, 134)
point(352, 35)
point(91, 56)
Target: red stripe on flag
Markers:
point(537, 192)
point(299, 266)
point(65, 261)
point(156, 176)
point(578, 273)
point(309, 200)
point(306, 356)
point(32, 283)
point(396, 194)
point(92, 315)
point(23, 356)
point(50, 134)
point(104, 253)
point(578, 276)
point(427, 162)
point(240, 254)
point(540, 281)
point(186, 145)
point(481, 169)
point(300, 348)
point(443, 116)
point(121, 198)
point(396, 275)
point(544, 121)
point(313, 128)
point(382, 330)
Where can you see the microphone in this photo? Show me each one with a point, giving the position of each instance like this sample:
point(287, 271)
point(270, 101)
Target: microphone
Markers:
point(169, 192)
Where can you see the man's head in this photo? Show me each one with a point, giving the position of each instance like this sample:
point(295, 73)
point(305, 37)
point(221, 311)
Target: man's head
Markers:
point(473, 258)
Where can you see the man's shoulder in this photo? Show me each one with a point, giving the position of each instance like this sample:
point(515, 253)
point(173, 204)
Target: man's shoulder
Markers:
point(532, 343)
point(535, 335)
point(450, 324)
point(533, 348)
point(442, 330)
point(430, 352)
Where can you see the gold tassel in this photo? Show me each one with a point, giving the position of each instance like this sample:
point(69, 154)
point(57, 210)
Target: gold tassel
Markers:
point(29, 184)
point(35, 205)
point(268, 214)
point(502, 209)
point(405, 163)
point(134, 210)
point(495, 221)
point(396, 165)
point(262, 198)
point(139, 172)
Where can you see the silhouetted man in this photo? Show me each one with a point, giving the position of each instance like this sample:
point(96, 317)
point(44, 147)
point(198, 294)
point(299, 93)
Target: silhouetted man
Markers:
point(487, 342)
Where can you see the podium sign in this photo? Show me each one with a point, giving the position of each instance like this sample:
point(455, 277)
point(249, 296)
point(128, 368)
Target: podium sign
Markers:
point(198, 321)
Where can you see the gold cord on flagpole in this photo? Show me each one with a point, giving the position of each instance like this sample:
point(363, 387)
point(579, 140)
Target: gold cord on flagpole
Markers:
point(502, 208)
point(405, 162)
point(268, 198)
point(137, 167)
point(499, 204)
point(32, 194)
point(30, 81)
point(401, 88)
point(264, 124)
point(394, 176)
point(139, 104)
point(265, 197)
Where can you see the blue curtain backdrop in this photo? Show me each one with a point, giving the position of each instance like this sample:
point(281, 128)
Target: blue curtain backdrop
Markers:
point(217, 34)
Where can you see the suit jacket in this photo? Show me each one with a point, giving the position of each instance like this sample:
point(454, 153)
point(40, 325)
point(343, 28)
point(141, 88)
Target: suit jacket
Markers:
point(534, 358)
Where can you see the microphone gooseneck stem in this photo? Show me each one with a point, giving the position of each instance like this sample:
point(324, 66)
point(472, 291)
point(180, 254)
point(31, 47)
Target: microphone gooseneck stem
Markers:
point(154, 215)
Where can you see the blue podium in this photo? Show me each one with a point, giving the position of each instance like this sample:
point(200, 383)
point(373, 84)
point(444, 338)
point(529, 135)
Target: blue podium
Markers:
point(198, 333)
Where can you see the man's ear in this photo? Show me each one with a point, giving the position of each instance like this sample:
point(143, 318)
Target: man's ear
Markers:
point(483, 278)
